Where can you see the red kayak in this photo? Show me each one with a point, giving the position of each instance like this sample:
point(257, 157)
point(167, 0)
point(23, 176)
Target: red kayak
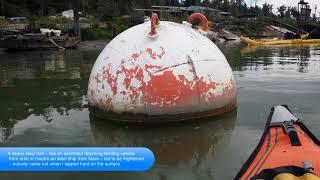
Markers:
point(287, 150)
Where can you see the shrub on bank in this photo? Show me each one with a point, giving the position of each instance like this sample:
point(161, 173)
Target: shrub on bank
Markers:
point(95, 34)
point(111, 27)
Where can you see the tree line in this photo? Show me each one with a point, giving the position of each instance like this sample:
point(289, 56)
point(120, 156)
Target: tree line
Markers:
point(113, 8)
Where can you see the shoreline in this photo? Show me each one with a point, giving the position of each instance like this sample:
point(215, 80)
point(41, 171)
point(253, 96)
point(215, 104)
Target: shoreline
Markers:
point(93, 44)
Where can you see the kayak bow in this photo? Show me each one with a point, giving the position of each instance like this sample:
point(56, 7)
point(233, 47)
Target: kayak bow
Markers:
point(287, 150)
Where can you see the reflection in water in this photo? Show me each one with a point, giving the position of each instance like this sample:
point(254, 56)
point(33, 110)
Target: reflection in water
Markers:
point(180, 147)
point(269, 57)
point(40, 83)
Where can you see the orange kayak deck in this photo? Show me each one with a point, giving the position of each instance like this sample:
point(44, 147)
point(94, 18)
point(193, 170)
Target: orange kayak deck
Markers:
point(276, 150)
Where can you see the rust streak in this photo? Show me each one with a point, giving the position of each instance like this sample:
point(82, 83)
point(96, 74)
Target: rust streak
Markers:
point(195, 76)
point(173, 66)
point(190, 62)
point(176, 65)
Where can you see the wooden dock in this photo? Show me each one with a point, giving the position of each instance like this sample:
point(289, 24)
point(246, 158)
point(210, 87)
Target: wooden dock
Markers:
point(38, 41)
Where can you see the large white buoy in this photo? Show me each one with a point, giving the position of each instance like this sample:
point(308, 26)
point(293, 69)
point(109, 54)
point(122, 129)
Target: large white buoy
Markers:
point(166, 72)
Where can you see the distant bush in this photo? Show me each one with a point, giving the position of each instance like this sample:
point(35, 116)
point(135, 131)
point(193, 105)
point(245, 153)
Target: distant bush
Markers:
point(111, 28)
point(95, 34)
point(123, 23)
point(51, 22)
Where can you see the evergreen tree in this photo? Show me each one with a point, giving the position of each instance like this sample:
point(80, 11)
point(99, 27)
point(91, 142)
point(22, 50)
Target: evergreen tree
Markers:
point(108, 8)
point(267, 9)
point(282, 10)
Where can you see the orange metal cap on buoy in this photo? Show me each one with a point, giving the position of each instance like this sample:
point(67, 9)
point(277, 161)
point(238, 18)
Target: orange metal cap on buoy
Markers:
point(154, 19)
point(197, 18)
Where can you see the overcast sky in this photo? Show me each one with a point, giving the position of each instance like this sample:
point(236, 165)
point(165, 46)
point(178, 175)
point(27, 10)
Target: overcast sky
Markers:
point(277, 3)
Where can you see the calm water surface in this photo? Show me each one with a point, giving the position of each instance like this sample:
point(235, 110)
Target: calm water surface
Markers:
point(43, 103)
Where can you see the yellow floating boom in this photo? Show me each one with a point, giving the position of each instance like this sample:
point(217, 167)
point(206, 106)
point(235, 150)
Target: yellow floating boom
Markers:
point(277, 41)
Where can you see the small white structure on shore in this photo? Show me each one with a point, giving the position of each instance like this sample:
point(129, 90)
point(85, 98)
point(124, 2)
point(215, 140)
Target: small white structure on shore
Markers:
point(69, 13)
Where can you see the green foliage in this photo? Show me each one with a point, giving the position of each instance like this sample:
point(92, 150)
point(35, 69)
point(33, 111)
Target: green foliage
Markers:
point(95, 34)
point(51, 12)
point(288, 20)
point(294, 12)
point(252, 27)
point(191, 2)
point(108, 8)
point(282, 9)
point(50, 22)
point(112, 28)
point(123, 23)
point(267, 9)
point(135, 18)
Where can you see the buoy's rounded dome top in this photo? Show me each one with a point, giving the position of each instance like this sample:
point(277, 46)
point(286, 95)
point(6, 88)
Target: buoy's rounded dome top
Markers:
point(176, 74)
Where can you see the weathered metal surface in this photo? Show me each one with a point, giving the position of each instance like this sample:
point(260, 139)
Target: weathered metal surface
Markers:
point(178, 72)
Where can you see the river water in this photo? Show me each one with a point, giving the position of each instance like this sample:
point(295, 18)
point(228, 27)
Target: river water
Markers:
point(43, 103)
